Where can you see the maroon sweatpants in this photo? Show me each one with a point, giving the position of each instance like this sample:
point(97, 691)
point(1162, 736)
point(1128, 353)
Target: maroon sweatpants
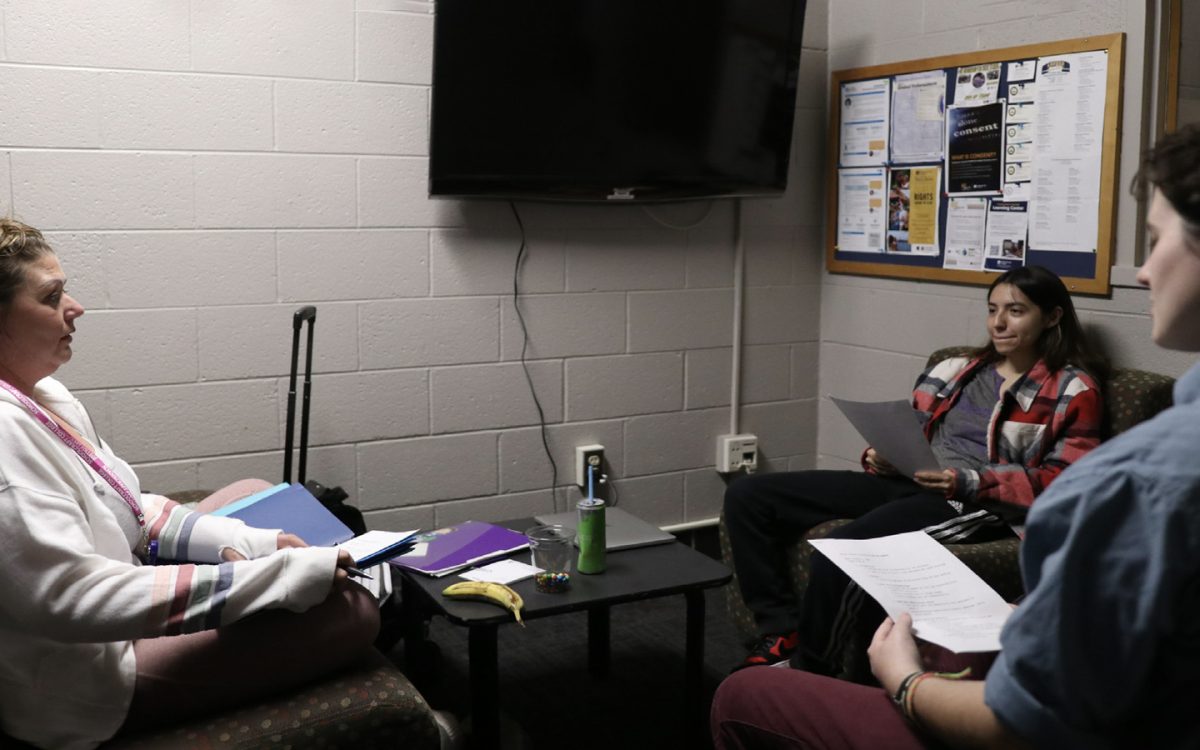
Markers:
point(772, 707)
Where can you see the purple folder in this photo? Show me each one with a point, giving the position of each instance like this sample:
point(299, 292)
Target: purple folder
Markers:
point(459, 546)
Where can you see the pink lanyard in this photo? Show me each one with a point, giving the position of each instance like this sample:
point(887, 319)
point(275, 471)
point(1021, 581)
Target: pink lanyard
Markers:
point(88, 456)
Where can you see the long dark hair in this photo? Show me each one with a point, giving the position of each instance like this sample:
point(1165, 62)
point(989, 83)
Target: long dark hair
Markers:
point(1061, 344)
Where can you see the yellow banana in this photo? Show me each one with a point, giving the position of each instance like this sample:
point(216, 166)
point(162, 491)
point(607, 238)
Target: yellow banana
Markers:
point(485, 591)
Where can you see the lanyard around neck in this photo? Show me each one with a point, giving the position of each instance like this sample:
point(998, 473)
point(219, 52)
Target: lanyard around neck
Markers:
point(89, 457)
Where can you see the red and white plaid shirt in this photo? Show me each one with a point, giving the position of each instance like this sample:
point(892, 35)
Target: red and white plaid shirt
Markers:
point(1042, 424)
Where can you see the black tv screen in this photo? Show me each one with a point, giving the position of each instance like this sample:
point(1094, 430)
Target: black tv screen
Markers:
point(613, 100)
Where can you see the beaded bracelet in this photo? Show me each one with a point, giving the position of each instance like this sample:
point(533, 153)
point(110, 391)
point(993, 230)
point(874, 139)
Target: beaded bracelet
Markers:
point(910, 695)
point(902, 691)
point(908, 689)
point(900, 698)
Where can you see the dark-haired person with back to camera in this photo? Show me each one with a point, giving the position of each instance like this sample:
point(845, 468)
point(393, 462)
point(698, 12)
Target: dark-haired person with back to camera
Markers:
point(1003, 423)
point(1104, 650)
point(95, 637)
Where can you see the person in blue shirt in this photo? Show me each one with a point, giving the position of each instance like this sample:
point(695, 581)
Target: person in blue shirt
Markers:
point(1104, 651)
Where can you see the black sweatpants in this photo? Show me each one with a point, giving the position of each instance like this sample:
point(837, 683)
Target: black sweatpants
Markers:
point(766, 513)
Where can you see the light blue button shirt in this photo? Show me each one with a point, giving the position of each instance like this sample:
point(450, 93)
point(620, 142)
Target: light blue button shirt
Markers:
point(1104, 652)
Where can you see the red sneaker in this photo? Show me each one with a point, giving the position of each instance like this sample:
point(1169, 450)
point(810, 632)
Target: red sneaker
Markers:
point(771, 649)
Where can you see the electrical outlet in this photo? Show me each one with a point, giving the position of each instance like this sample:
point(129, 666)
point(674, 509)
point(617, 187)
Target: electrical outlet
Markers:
point(585, 456)
point(737, 452)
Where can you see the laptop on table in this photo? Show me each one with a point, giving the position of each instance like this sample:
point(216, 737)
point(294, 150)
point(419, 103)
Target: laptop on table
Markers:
point(621, 529)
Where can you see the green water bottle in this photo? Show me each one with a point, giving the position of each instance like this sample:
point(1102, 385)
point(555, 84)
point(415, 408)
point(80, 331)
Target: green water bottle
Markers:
point(590, 535)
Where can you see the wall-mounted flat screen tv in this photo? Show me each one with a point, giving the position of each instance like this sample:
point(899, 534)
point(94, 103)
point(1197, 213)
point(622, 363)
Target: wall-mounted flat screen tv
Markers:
point(613, 100)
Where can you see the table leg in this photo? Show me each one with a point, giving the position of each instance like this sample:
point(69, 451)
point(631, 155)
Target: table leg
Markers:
point(485, 686)
point(693, 704)
point(412, 630)
point(598, 641)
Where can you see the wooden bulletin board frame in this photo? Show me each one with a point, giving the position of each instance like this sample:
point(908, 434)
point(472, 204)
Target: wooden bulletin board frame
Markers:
point(898, 266)
point(1169, 75)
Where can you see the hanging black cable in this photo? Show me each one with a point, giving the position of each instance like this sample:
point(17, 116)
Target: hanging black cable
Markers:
point(525, 346)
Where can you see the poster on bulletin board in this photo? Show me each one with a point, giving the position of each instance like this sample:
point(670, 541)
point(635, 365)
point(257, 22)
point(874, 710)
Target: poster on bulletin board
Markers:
point(960, 167)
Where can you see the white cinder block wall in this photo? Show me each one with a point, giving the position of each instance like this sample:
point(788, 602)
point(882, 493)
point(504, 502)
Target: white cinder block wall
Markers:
point(204, 168)
point(877, 333)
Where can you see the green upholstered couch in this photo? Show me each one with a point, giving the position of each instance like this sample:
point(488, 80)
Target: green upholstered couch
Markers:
point(1130, 396)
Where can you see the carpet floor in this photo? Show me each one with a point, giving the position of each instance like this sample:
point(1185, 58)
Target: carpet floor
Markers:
point(549, 700)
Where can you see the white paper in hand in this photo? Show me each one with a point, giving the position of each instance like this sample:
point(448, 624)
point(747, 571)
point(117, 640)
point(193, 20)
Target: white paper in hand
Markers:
point(893, 430)
point(950, 605)
point(372, 542)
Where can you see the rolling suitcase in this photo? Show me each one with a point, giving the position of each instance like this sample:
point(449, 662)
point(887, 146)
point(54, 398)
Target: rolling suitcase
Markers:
point(391, 616)
point(333, 498)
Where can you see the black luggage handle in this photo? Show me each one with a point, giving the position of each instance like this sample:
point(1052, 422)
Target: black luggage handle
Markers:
point(308, 314)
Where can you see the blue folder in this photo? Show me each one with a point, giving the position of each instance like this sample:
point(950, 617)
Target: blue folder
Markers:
point(236, 505)
point(296, 511)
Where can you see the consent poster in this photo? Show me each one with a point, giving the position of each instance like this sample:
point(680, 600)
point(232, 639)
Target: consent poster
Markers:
point(974, 149)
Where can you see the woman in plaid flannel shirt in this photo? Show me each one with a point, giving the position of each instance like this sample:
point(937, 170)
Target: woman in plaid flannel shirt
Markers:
point(1003, 422)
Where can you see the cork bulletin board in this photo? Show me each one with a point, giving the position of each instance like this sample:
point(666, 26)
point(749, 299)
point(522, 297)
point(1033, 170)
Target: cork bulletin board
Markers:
point(959, 167)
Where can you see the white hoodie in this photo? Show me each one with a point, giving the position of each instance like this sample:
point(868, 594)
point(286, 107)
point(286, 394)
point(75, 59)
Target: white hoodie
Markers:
point(73, 595)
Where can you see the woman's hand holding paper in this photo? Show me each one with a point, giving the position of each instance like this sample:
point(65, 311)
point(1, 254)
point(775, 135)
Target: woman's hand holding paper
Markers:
point(893, 652)
point(878, 464)
point(936, 481)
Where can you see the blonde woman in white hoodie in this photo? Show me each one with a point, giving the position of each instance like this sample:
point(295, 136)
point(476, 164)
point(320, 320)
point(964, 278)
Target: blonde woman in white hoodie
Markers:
point(120, 609)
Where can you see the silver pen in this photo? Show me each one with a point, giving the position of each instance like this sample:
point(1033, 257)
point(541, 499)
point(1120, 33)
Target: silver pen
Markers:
point(354, 572)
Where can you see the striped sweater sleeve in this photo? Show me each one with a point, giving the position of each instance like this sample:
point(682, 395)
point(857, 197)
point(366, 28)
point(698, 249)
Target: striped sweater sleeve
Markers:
point(186, 536)
point(58, 584)
point(189, 598)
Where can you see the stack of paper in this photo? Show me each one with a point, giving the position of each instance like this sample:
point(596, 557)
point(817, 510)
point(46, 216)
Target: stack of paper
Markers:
point(375, 547)
point(950, 605)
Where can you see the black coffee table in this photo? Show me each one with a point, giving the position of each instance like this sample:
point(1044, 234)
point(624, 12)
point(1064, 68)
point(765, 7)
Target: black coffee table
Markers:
point(631, 575)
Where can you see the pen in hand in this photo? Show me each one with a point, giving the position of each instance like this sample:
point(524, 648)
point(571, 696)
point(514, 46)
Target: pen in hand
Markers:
point(344, 557)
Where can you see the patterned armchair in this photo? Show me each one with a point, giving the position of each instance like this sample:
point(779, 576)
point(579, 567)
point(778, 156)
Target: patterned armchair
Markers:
point(1130, 396)
point(369, 707)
